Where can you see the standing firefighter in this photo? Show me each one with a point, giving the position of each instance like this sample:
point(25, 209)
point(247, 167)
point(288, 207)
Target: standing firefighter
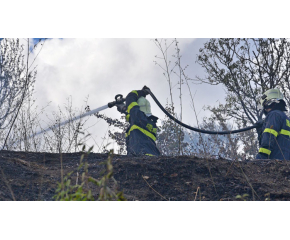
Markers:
point(141, 134)
point(275, 132)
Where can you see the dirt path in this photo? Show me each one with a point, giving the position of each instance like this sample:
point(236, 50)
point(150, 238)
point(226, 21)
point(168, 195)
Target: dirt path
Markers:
point(34, 176)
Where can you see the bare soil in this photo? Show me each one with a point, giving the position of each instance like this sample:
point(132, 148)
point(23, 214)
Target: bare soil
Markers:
point(27, 176)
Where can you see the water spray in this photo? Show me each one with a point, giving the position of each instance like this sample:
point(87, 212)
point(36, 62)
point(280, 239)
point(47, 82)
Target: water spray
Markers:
point(118, 100)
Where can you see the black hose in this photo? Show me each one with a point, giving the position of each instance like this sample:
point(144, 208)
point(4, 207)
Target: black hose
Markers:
point(192, 128)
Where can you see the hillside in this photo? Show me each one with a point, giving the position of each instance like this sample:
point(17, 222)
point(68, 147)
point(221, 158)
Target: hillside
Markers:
point(34, 176)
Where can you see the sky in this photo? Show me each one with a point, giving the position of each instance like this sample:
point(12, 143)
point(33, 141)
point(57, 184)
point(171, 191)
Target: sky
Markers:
point(97, 69)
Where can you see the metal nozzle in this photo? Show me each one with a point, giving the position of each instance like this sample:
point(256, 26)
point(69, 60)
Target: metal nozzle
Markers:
point(118, 100)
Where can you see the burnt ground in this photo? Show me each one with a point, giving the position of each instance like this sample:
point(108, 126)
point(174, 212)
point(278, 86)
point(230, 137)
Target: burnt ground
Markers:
point(34, 176)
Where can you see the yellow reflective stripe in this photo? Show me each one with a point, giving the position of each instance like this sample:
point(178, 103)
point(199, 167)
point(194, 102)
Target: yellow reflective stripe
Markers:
point(142, 130)
point(127, 117)
point(135, 92)
point(287, 122)
point(150, 127)
point(285, 132)
point(272, 131)
point(264, 150)
point(148, 154)
point(131, 105)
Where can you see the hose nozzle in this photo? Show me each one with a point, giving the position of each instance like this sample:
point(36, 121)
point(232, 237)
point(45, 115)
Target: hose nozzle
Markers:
point(118, 100)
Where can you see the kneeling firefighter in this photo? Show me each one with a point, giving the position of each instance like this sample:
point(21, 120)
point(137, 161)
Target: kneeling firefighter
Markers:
point(275, 132)
point(141, 134)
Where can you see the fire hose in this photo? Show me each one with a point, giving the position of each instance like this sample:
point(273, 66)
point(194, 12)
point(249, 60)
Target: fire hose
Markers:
point(120, 100)
point(147, 90)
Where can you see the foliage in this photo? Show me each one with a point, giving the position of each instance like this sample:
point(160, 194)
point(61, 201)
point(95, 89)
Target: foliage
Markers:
point(242, 197)
point(106, 193)
point(65, 137)
point(68, 192)
point(82, 192)
point(170, 136)
point(15, 79)
point(57, 137)
point(246, 68)
point(116, 135)
point(218, 146)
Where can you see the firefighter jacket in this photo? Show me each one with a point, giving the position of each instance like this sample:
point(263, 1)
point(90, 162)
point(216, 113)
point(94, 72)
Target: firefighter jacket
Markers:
point(141, 134)
point(275, 139)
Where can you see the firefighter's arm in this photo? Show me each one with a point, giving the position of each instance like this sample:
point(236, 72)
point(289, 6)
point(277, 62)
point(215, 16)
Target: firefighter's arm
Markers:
point(133, 110)
point(269, 135)
point(133, 96)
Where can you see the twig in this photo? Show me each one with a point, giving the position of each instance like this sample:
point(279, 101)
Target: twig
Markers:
point(25, 163)
point(37, 54)
point(230, 167)
point(198, 189)
point(154, 189)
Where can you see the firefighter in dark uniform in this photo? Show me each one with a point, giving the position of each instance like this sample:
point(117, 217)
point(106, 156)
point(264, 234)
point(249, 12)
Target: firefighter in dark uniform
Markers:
point(141, 134)
point(275, 132)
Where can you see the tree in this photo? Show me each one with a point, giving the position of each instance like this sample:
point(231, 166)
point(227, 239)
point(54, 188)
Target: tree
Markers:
point(246, 68)
point(170, 137)
point(14, 79)
point(16, 82)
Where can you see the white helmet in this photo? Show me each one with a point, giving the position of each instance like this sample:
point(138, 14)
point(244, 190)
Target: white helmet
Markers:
point(145, 106)
point(271, 96)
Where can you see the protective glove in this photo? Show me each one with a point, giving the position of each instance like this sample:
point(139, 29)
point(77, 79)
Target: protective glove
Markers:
point(259, 124)
point(262, 156)
point(142, 93)
point(146, 89)
point(259, 128)
point(121, 108)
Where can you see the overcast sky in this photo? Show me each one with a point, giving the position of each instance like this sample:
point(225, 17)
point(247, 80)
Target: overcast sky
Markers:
point(102, 68)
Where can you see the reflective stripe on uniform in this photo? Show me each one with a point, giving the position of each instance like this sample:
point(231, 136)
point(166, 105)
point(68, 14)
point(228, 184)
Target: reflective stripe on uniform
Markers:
point(135, 92)
point(151, 128)
point(285, 132)
point(265, 150)
point(131, 105)
point(287, 122)
point(127, 117)
point(148, 154)
point(272, 131)
point(134, 127)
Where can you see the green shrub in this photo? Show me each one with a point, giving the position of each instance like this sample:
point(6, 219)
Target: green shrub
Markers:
point(82, 192)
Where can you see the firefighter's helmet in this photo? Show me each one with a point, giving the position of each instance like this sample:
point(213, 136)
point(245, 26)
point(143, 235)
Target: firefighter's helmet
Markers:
point(271, 96)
